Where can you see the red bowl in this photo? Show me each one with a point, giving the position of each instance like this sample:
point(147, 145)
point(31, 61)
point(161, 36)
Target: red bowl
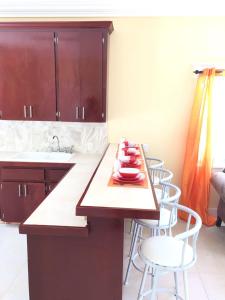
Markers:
point(130, 151)
point(129, 172)
point(131, 159)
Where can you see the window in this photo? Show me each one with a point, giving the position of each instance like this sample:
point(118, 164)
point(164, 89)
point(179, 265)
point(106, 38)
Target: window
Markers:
point(218, 122)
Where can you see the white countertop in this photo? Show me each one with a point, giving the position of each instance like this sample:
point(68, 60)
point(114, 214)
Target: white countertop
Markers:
point(58, 208)
point(52, 157)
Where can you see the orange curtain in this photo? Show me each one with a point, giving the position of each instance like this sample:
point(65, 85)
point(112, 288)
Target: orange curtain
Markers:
point(198, 156)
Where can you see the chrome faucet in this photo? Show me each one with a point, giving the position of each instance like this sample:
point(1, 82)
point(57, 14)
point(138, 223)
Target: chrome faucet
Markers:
point(56, 137)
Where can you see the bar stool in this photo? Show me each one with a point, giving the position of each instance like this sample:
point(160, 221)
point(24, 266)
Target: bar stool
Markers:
point(163, 176)
point(154, 162)
point(170, 254)
point(155, 166)
point(167, 220)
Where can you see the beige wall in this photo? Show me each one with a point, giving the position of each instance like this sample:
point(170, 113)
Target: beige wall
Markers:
point(151, 84)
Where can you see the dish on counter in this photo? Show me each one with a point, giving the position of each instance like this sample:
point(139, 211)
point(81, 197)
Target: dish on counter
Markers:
point(129, 145)
point(131, 152)
point(136, 164)
point(127, 158)
point(139, 178)
point(129, 172)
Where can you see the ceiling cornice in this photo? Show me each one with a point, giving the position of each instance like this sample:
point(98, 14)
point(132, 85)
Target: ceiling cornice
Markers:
point(102, 8)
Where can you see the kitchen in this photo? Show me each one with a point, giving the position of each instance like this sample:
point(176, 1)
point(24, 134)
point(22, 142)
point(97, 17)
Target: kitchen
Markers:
point(131, 117)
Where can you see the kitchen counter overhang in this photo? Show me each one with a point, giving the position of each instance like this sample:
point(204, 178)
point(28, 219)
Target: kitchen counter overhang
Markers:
point(102, 200)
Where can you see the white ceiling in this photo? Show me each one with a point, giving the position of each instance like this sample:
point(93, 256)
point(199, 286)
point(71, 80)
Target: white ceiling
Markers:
point(53, 8)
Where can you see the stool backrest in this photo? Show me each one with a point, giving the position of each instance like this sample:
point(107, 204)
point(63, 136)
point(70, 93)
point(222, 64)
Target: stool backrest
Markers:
point(159, 175)
point(190, 235)
point(170, 194)
point(153, 162)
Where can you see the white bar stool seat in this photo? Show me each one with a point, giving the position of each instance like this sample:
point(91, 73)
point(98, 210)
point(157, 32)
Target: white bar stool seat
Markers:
point(166, 251)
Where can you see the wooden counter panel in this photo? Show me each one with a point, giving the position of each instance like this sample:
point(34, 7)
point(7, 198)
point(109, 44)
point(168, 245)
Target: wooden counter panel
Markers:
point(117, 212)
point(22, 174)
point(27, 164)
point(55, 175)
point(53, 230)
point(75, 267)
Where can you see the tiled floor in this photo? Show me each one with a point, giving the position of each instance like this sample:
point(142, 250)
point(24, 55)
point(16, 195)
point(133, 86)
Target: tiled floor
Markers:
point(206, 278)
point(13, 264)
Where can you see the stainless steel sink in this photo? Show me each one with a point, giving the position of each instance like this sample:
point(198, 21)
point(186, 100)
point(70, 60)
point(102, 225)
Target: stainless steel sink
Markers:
point(43, 156)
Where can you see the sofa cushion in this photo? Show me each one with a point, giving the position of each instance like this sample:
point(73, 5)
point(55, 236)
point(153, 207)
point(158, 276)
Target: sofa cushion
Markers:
point(218, 182)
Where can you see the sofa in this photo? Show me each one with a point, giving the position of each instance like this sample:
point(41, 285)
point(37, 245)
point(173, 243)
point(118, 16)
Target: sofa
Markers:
point(218, 182)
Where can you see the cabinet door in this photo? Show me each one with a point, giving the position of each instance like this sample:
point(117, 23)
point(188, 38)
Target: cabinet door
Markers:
point(79, 58)
point(50, 187)
point(27, 75)
point(12, 202)
point(34, 194)
point(91, 59)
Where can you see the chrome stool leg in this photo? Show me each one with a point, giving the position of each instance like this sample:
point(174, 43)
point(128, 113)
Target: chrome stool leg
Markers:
point(132, 254)
point(186, 292)
point(140, 294)
point(132, 238)
point(154, 284)
point(176, 285)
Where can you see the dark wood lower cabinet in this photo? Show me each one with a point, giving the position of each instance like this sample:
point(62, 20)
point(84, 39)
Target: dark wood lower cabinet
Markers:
point(19, 200)
point(12, 202)
point(23, 187)
point(50, 187)
point(70, 267)
point(35, 194)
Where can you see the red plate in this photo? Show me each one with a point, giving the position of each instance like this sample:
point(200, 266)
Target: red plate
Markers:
point(116, 176)
point(137, 164)
point(125, 147)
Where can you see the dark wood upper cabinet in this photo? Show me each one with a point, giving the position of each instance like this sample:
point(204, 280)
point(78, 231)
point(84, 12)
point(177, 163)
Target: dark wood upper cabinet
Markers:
point(53, 71)
point(27, 75)
point(80, 75)
point(68, 71)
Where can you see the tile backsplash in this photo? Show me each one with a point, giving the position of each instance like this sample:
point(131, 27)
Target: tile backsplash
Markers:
point(38, 136)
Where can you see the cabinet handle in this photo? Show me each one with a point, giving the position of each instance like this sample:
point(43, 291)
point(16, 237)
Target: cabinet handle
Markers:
point(19, 190)
point(25, 111)
point(25, 190)
point(83, 113)
point(31, 112)
point(77, 112)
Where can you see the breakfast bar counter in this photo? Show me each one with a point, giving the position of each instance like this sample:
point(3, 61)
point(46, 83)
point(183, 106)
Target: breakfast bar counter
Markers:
point(80, 255)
